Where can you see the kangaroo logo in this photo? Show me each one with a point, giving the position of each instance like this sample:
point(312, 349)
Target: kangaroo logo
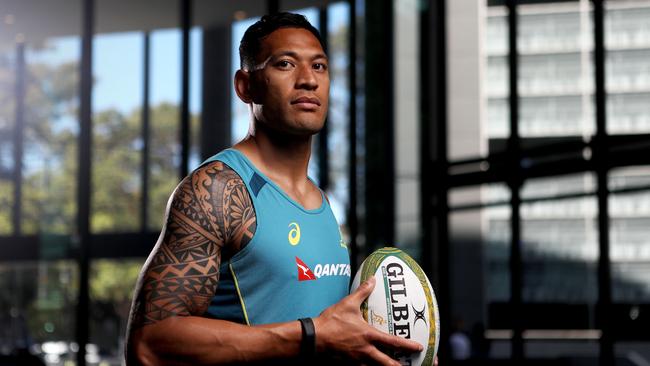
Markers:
point(294, 233)
point(304, 272)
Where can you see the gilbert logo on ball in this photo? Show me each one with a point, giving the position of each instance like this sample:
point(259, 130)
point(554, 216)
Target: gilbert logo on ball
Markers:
point(403, 302)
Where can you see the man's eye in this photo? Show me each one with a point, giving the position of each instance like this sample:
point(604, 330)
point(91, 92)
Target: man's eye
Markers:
point(284, 64)
point(320, 66)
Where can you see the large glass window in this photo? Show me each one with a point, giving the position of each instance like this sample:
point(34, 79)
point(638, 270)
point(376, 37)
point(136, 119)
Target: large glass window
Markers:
point(165, 147)
point(630, 219)
point(7, 127)
point(38, 309)
point(136, 105)
point(480, 226)
point(111, 287)
point(627, 44)
point(627, 83)
point(495, 76)
point(553, 163)
point(117, 131)
point(50, 135)
point(39, 68)
point(556, 69)
point(338, 117)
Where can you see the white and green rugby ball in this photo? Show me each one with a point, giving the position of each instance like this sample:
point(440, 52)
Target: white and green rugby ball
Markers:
point(402, 302)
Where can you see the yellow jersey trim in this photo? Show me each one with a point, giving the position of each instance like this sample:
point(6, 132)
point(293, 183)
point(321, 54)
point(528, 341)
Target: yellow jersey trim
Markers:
point(241, 298)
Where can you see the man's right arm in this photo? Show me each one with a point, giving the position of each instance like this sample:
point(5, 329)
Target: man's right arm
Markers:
point(211, 213)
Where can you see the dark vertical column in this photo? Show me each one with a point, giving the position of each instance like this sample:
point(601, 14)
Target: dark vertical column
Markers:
point(352, 219)
point(217, 85)
point(600, 153)
point(434, 161)
point(323, 151)
point(84, 182)
point(145, 132)
point(186, 23)
point(272, 6)
point(514, 182)
point(380, 170)
point(19, 136)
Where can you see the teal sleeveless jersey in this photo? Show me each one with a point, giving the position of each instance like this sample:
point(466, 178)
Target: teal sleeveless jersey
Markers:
point(295, 266)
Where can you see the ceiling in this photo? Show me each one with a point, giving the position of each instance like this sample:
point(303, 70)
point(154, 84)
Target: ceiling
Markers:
point(37, 20)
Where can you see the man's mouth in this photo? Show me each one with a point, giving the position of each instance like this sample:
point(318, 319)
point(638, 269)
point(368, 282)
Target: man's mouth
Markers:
point(306, 102)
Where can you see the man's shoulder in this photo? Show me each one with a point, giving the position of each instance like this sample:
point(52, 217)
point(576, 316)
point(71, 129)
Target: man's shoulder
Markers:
point(214, 172)
point(223, 196)
point(216, 197)
point(207, 183)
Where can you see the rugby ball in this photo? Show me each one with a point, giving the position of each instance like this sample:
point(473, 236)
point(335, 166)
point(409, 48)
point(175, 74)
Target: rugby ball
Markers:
point(402, 302)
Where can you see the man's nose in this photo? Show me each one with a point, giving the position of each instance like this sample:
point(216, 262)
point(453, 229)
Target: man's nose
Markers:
point(306, 78)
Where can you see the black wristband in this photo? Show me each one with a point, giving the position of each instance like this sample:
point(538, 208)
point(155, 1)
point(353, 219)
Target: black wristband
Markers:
point(308, 342)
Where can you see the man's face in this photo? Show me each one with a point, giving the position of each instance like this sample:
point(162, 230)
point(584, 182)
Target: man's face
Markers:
point(290, 83)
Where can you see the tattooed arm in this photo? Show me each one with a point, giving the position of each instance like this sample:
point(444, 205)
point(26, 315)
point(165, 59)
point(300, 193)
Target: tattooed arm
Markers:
point(210, 217)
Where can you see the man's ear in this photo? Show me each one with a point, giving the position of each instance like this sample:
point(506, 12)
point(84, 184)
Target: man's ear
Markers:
point(242, 86)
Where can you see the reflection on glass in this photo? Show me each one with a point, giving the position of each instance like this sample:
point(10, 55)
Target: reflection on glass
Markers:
point(196, 57)
point(631, 350)
point(566, 348)
point(496, 72)
point(627, 73)
point(111, 289)
point(556, 69)
point(37, 309)
point(338, 115)
point(548, 187)
point(50, 140)
point(480, 252)
point(496, 233)
point(7, 122)
point(165, 150)
point(560, 250)
point(486, 234)
point(6, 204)
point(117, 137)
point(485, 195)
point(629, 232)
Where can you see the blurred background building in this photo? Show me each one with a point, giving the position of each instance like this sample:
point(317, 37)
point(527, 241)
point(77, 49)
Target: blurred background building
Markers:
point(504, 144)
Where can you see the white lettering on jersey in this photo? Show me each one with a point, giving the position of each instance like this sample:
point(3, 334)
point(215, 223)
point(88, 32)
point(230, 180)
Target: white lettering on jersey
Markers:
point(334, 269)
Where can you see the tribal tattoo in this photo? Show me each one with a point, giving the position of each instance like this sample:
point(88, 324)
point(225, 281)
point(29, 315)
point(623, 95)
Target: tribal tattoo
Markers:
point(210, 217)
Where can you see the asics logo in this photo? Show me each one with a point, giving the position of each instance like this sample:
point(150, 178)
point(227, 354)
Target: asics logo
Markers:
point(294, 233)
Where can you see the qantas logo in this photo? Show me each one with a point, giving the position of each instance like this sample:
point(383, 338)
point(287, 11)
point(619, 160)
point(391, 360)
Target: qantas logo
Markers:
point(304, 273)
point(321, 270)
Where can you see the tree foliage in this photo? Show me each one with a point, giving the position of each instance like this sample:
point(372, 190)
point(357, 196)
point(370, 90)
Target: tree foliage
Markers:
point(49, 200)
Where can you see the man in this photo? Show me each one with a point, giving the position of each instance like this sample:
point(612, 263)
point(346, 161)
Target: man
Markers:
point(237, 262)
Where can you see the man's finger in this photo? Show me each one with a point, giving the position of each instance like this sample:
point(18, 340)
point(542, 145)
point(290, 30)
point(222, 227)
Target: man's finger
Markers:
point(396, 343)
point(382, 359)
point(364, 290)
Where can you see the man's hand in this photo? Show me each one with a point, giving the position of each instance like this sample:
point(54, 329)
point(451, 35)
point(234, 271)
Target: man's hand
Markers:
point(341, 332)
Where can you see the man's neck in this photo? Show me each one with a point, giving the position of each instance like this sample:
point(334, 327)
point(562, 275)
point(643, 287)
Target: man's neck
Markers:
point(282, 158)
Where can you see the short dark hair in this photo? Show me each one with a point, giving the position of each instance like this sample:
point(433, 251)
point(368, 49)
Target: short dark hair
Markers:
point(251, 42)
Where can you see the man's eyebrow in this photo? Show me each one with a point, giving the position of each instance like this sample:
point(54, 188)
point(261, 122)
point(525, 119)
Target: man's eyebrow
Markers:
point(296, 56)
point(289, 53)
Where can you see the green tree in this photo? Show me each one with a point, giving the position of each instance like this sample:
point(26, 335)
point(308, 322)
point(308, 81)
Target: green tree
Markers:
point(49, 195)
